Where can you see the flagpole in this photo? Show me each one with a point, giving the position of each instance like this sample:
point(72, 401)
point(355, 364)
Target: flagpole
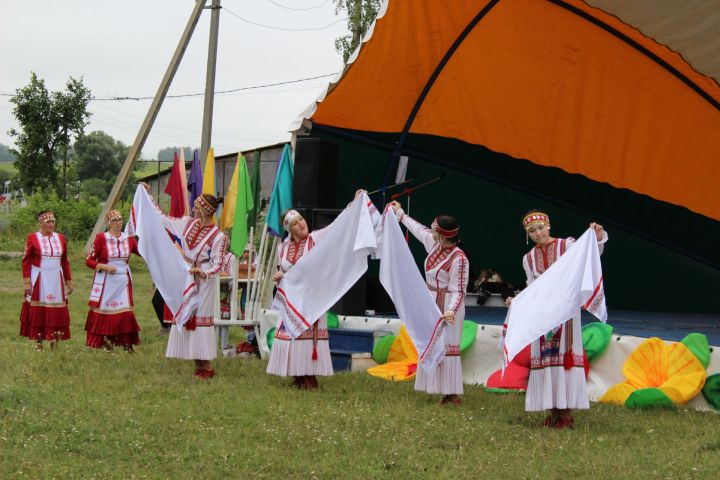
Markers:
point(265, 281)
point(252, 287)
point(249, 267)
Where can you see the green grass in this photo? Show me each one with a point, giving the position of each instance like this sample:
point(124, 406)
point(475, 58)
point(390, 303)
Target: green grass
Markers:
point(143, 169)
point(8, 167)
point(82, 413)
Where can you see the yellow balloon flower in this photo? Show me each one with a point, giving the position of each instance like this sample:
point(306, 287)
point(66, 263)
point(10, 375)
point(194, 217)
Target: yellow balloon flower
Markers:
point(656, 373)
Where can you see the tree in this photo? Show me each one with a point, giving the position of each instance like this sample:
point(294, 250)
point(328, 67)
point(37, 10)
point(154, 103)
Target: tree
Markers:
point(98, 160)
point(48, 121)
point(361, 14)
point(167, 154)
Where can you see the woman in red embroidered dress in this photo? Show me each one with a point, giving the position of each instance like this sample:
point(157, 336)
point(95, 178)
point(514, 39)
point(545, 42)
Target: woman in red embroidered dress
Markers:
point(48, 282)
point(111, 320)
point(204, 247)
point(446, 275)
point(307, 356)
point(557, 365)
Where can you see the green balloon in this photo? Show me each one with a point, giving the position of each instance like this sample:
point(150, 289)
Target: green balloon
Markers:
point(596, 338)
point(270, 337)
point(382, 348)
point(332, 320)
point(711, 390)
point(649, 398)
point(697, 343)
point(469, 332)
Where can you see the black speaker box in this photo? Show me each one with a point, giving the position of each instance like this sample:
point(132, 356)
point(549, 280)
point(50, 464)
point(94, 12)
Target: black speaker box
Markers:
point(315, 179)
point(322, 217)
point(353, 302)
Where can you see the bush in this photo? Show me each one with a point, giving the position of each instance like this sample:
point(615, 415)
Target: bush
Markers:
point(75, 218)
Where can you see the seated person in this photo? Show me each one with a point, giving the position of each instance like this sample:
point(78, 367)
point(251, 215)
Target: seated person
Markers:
point(491, 282)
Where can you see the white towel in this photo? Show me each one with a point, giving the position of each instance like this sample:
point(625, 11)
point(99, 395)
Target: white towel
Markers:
point(323, 275)
point(573, 281)
point(167, 267)
point(415, 304)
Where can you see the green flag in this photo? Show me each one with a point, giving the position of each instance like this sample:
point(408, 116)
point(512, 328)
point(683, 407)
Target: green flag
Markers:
point(243, 204)
point(255, 187)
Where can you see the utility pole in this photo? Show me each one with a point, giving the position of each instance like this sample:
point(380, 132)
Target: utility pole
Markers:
point(126, 170)
point(206, 139)
point(357, 24)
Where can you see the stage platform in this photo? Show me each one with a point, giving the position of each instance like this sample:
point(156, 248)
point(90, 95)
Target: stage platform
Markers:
point(668, 326)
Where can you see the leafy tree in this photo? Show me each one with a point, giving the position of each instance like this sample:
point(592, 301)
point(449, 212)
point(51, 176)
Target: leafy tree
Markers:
point(168, 154)
point(361, 14)
point(48, 121)
point(98, 160)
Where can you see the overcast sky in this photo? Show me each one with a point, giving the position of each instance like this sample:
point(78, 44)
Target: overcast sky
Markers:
point(122, 48)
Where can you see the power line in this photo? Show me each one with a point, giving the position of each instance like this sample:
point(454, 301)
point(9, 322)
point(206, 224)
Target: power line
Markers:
point(298, 9)
point(283, 28)
point(185, 95)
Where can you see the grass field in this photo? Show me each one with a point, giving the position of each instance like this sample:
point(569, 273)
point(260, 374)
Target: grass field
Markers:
point(81, 413)
point(8, 167)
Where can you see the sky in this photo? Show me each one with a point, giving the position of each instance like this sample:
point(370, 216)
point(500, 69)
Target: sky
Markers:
point(123, 47)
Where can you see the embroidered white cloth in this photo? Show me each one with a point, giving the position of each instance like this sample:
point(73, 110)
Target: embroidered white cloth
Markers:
point(415, 304)
point(167, 267)
point(573, 281)
point(325, 273)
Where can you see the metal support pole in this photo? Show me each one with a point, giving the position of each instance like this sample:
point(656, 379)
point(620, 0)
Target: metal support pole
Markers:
point(206, 140)
point(129, 164)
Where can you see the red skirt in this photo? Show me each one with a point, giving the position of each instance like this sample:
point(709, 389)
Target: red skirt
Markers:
point(44, 323)
point(119, 329)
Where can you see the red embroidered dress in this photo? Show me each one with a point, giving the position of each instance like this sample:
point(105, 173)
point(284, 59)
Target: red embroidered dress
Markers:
point(111, 312)
point(44, 315)
point(309, 354)
point(557, 365)
point(204, 247)
point(446, 275)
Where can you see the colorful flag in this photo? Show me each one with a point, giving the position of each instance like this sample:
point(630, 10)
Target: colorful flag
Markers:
point(195, 181)
point(176, 190)
point(208, 181)
point(281, 199)
point(255, 187)
point(183, 179)
point(242, 205)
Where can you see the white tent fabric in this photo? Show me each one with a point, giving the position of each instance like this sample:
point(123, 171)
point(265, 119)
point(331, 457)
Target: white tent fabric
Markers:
point(689, 27)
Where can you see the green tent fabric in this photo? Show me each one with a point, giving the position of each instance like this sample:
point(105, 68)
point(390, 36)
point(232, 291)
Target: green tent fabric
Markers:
point(270, 337)
point(469, 332)
point(711, 390)
point(382, 348)
point(332, 320)
point(364, 165)
point(596, 338)
point(648, 398)
point(698, 344)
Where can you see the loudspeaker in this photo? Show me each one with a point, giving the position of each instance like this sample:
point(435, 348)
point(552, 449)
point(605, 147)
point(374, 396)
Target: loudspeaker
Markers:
point(353, 302)
point(377, 297)
point(315, 179)
point(322, 217)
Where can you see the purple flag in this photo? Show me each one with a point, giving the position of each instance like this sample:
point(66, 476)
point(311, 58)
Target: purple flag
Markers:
point(195, 181)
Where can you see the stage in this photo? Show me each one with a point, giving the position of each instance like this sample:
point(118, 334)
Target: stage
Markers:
point(668, 326)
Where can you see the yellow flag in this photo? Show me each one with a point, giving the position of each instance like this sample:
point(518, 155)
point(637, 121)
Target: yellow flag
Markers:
point(228, 211)
point(209, 177)
point(209, 174)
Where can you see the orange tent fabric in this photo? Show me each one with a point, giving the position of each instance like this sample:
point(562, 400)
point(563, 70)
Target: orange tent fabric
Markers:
point(545, 81)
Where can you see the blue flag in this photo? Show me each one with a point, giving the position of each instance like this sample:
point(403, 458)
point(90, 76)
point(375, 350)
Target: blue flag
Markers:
point(282, 193)
point(195, 181)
